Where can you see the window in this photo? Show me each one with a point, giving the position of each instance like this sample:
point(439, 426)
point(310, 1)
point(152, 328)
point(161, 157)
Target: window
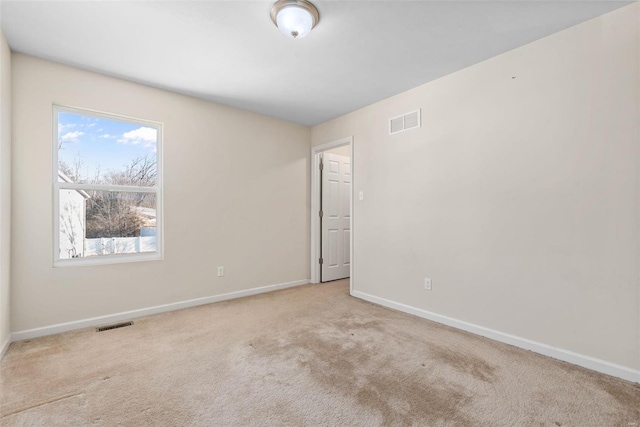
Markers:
point(107, 188)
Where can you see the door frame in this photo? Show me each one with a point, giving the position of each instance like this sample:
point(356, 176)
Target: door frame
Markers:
point(315, 207)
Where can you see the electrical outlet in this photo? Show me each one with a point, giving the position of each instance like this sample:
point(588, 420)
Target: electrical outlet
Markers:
point(361, 195)
point(220, 271)
point(427, 284)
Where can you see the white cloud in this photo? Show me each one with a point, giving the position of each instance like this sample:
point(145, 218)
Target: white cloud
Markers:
point(107, 135)
point(143, 135)
point(62, 128)
point(71, 136)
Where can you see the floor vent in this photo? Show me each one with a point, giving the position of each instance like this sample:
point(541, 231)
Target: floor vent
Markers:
point(404, 122)
point(114, 326)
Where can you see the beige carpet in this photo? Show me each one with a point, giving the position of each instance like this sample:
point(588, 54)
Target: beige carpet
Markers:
point(305, 356)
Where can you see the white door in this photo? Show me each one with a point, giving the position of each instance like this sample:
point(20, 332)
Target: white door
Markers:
point(336, 211)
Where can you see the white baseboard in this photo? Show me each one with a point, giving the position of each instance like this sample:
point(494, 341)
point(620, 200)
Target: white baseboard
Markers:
point(5, 347)
point(547, 350)
point(118, 317)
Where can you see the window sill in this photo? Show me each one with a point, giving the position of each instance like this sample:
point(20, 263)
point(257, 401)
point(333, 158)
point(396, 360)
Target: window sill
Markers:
point(108, 259)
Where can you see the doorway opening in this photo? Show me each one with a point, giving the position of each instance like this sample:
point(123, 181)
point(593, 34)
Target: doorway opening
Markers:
point(332, 211)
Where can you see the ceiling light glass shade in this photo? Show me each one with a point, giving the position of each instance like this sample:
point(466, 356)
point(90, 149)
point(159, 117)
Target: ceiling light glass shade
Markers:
point(294, 18)
point(294, 22)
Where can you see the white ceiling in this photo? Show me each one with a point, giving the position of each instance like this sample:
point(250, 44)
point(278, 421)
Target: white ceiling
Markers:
point(230, 52)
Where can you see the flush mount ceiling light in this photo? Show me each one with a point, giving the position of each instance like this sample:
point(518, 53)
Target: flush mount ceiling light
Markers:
point(294, 18)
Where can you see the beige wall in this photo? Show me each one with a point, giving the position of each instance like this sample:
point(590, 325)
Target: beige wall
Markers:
point(344, 150)
point(236, 193)
point(5, 189)
point(518, 196)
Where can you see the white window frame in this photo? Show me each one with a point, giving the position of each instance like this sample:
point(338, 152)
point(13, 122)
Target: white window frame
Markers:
point(57, 186)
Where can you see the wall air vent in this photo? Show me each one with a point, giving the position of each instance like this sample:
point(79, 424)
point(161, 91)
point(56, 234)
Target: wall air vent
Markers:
point(115, 326)
point(404, 122)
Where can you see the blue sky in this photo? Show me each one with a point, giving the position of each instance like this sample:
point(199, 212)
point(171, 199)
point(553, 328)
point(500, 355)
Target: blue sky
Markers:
point(101, 143)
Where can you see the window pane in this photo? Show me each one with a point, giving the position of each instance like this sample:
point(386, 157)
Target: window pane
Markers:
point(95, 223)
point(105, 151)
